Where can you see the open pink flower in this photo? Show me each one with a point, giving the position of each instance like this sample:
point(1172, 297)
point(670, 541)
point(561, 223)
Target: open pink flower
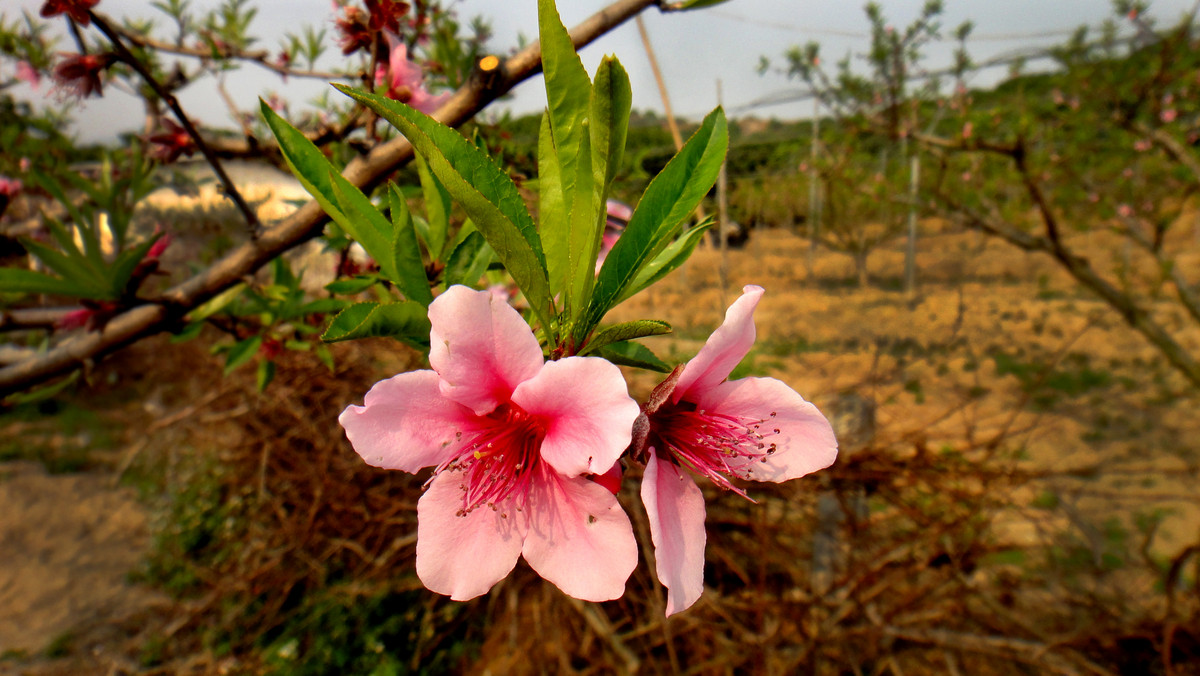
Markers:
point(752, 428)
point(80, 73)
point(171, 142)
point(513, 441)
point(405, 81)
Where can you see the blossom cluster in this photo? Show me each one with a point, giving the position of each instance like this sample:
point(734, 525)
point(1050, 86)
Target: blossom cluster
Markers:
point(528, 454)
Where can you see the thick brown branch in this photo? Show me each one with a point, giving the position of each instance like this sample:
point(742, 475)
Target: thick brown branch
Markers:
point(302, 225)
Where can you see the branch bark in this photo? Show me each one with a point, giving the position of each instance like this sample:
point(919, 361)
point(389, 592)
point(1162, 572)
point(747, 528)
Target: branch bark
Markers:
point(306, 223)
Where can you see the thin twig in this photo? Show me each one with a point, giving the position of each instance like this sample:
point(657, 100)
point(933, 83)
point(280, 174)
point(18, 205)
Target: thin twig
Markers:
point(133, 62)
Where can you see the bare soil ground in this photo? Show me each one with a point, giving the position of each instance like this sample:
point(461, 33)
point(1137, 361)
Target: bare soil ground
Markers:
point(997, 351)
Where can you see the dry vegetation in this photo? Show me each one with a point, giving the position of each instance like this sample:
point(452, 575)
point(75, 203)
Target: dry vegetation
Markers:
point(1015, 494)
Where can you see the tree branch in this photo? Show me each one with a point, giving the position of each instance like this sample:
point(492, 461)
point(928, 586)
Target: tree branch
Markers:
point(306, 223)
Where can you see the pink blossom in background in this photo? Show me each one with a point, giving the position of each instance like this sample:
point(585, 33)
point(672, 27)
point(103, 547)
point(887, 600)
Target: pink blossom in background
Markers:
point(968, 130)
point(1168, 116)
point(1124, 210)
point(9, 187)
point(697, 422)
point(404, 79)
point(513, 441)
point(28, 74)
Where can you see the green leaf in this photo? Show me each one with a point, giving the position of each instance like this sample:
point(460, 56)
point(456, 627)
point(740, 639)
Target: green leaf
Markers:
point(41, 393)
point(485, 192)
point(19, 280)
point(326, 357)
point(568, 89)
point(334, 193)
point(586, 224)
point(633, 354)
point(266, 373)
point(406, 252)
point(122, 268)
point(552, 209)
point(72, 266)
point(188, 332)
point(216, 303)
point(668, 200)
point(675, 255)
point(468, 261)
point(322, 306)
point(437, 210)
point(625, 331)
point(612, 98)
point(406, 321)
point(352, 286)
point(242, 352)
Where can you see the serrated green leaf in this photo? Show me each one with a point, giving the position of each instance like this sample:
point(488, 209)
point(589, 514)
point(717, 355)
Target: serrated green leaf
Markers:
point(352, 286)
point(633, 354)
point(406, 321)
point(468, 261)
point(242, 352)
point(19, 280)
point(322, 306)
point(668, 200)
point(485, 192)
point(675, 255)
point(437, 210)
point(586, 224)
point(406, 252)
point(623, 332)
point(568, 89)
point(266, 373)
point(319, 177)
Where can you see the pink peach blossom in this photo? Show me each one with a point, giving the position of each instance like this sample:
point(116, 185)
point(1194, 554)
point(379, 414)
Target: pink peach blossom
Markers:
point(405, 81)
point(753, 428)
point(513, 441)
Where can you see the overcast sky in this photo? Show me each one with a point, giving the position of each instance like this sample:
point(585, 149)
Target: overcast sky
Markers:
point(694, 49)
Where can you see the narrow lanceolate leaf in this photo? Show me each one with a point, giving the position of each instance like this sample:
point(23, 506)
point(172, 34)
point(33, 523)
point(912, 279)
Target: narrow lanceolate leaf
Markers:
point(625, 331)
point(609, 120)
point(552, 209)
point(675, 255)
point(73, 268)
point(635, 355)
point(122, 268)
point(668, 200)
point(485, 192)
point(406, 321)
point(568, 89)
point(310, 166)
point(19, 280)
point(468, 261)
point(586, 226)
point(437, 210)
point(406, 252)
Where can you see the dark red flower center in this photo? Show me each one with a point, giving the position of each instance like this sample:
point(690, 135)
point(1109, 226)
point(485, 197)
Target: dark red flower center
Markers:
point(498, 461)
point(716, 445)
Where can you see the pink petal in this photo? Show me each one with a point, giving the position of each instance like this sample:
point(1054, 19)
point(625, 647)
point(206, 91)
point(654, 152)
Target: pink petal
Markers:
point(585, 407)
point(805, 442)
point(579, 538)
point(675, 507)
point(427, 103)
point(463, 556)
point(727, 346)
point(480, 347)
point(406, 423)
